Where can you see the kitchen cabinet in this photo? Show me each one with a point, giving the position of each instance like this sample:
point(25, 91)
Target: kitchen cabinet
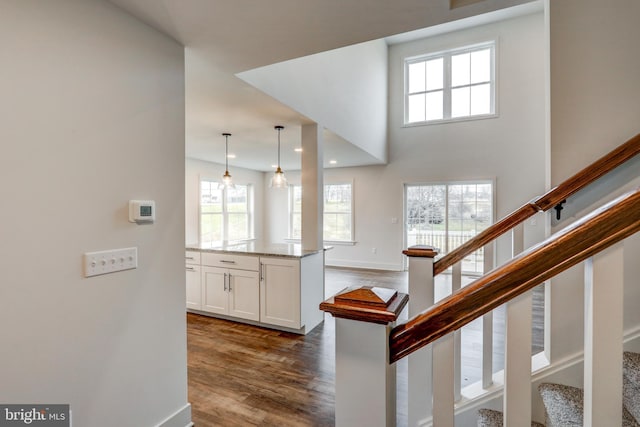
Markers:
point(231, 292)
point(280, 292)
point(276, 286)
point(193, 280)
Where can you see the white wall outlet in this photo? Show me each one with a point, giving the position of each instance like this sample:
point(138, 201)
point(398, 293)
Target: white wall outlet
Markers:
point(103, 262)
point(374, 250)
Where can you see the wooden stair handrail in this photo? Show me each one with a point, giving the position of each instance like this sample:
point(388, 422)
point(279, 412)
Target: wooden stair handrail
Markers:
point(604, 227)
point(553, 197)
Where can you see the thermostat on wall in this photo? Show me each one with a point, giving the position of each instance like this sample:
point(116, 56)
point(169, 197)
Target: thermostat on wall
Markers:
point(142, 211)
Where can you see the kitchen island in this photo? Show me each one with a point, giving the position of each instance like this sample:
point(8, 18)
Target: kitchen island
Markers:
point(278, 286)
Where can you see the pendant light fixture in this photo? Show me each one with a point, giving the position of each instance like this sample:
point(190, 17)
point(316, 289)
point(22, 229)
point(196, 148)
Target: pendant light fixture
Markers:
point(278, 180)
point(226, 178)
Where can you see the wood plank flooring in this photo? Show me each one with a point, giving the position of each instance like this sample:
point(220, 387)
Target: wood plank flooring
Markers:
point(242, 375)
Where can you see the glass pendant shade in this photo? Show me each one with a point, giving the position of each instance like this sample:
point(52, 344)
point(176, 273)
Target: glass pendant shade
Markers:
point(279, 180)
point(227, 182)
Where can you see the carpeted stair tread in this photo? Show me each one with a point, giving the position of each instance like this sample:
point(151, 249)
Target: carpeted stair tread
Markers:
point(631, 383)
point(491, 418)
point(564, 406)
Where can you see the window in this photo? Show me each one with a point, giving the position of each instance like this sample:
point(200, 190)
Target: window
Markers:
point(225, 214)
point(337, 212)
point(450, 85)
point(337, 217)
point(447, 215)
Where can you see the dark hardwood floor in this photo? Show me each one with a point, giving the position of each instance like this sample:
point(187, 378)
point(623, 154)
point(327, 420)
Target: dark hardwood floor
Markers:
point(242, 375)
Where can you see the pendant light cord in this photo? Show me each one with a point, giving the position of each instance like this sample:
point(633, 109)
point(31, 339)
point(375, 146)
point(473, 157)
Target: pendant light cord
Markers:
point(279, 128)
point(226, 151)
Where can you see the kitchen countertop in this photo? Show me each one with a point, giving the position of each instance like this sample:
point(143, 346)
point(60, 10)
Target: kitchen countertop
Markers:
point(290, 250)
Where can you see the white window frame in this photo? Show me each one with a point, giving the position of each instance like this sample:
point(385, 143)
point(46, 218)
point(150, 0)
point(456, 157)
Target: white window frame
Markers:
point(447, 88)
point(291, 238)
point(225, 211)
point(490, 181)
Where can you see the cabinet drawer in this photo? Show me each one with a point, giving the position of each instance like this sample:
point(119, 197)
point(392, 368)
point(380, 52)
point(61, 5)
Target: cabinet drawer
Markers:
point(192, 257)
point(241, 262)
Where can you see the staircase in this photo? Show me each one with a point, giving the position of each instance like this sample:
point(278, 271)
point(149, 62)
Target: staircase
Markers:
point(368, 343)
point(564, 405)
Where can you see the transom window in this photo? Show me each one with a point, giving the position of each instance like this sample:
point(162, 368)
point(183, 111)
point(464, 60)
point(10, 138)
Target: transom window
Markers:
point(450, 85)
point(225, 214)
point(337, 217)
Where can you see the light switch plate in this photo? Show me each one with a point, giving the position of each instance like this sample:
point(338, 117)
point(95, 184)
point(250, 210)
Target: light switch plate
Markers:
point(103, 262)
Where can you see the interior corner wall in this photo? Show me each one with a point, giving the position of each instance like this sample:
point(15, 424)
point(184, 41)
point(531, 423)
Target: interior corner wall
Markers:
point(195, 170)
point(594, 108)
point(92, 111)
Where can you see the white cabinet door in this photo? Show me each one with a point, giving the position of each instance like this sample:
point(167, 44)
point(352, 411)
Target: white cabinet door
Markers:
point(214, 290)
point(280, 292)
point(244, 294)
point(194, 288)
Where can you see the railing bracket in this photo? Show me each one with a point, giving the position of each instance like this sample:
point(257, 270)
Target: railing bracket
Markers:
point(559, 208)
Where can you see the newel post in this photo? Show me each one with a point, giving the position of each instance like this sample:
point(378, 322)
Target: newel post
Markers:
point(365, 380)
point(421, 289)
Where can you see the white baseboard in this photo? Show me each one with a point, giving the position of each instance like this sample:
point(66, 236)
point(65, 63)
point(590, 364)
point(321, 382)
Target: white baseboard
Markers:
point(363, 264)
point(180, 418)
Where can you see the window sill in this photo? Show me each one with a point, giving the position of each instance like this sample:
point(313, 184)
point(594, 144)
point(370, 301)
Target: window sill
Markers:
point(451, 120)
point(327, 242)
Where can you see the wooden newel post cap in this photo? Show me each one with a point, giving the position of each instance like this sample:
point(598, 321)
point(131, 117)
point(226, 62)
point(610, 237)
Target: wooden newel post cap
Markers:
point(421, 251)
point(367, 304)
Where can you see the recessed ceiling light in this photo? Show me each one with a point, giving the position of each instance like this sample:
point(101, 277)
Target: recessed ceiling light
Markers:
point(298, 150)
point(231, 156)
point(274, 166)
point(333, 162)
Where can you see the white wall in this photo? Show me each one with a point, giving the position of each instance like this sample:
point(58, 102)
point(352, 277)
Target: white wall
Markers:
point(508, 148)
point(197, 170)
point(594, 108)
point(344, 90)
point(92, 112)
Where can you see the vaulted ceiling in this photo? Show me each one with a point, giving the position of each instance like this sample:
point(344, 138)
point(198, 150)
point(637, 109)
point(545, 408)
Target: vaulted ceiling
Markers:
point(225, 37)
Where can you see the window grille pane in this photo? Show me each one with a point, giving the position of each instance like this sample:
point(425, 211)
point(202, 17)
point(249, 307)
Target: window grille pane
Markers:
point(460, 102)
point(236, 200)
point(481, 99)
point(481, 66)
point(416, 108)
point(297, 198)
point(210, 197)
point(337, 226)
point(460, 70)
point(417, 77)
point(238, 226)
point(434, 106)
point(337, 198)
point(435, 74)
point(296, 227)
point(211, 228)
point(484, 192)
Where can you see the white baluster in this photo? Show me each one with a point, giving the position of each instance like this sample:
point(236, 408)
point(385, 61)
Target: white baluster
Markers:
point(487, 326)
point(443, 373)
point(604, 289)
point(517, 369)
point(456, 284)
